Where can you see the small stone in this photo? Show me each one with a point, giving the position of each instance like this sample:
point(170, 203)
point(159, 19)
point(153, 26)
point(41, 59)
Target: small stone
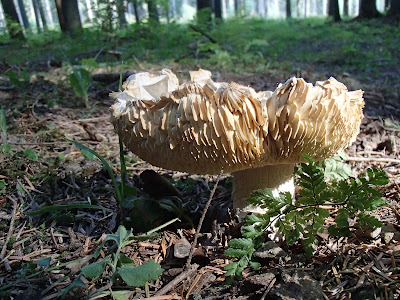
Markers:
point(182, 248)
point(296, 286)
point(270, 250)
point(396, 250)
point(389, 233)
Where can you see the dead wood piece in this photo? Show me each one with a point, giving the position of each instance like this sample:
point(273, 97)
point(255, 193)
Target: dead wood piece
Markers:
point(11, 226)
point(210, 38)
point(178, 279)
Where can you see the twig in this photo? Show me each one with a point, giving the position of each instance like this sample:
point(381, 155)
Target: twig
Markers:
point(189, 260)
point(210, 38)
point(178, 279)
point(268, 289)
point(377, 159)
point(11, 227)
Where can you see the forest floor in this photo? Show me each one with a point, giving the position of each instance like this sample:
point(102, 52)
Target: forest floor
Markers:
point(42, 252)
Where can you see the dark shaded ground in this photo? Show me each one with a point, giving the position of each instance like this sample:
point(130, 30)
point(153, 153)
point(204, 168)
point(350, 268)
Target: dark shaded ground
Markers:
point(365, 266)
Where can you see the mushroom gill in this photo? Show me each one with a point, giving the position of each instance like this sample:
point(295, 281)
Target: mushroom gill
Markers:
point(205, 127)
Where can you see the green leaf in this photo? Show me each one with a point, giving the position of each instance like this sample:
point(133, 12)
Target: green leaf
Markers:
point(96, 269)
point(31, 154)
point(80, 81)
point(87, 154)
point(75, 284)
point(120, 236)
point(254, 265)
point(238, 253)
point(241, 243)
point(368, 220)
point(54, 208)
point(106, 166)
point(138, 276)
point(3, 121)
point(122, 295)
point(44, 262)
point(2, 184)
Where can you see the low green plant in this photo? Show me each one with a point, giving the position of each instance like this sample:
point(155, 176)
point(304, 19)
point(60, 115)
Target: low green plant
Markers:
point(3, 121)
point(81, 80)
point(300, 220)
point(19, 79)
point(116, 265)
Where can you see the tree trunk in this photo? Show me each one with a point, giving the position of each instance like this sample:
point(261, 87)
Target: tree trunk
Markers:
point(346, 8)
point(394, 10)
point(68, 15)
point(153, 12)
point(288, 9)
point(368, 9)
point(42, 14)
point(12, 22)
point(387, 5)
point(24, 17)
point(218, 9)
point(37, 15)
point(333, 10)
point(121, 13)
point(136, 10)
point(237, 7)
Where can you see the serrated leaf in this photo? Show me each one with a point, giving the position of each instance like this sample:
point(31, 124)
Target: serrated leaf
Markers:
point(95, 270)
point(241, 243)
point(238, 253)
point(342, 218)
point(254, 265)
point(369, 220)
point(138, 276)
point(231, 266)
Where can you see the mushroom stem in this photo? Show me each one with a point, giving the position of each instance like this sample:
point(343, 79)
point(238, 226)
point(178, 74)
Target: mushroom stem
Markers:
point(279, 178)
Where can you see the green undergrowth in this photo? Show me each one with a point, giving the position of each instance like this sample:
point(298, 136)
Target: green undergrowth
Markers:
point(241, 44)
point(328, 191)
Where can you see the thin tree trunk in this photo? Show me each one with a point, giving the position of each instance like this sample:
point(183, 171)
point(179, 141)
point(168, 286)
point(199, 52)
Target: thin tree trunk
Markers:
point(37, 15)
point(68, 15)
point(368, 9)
point(237, 7)
point(333, 10)
point(345, 8)
point(136, 10)
point(121, 13)
point(218, 9)
point(394, 10)
point(24, 17)
point(288, 9)
point(42, 14)
point(152, 10)
point(12, 22)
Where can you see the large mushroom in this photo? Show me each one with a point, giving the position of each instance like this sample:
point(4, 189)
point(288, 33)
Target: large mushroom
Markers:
point(205, 127)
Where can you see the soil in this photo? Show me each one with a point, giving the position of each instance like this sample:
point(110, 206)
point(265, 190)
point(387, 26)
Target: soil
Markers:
point(43, 114)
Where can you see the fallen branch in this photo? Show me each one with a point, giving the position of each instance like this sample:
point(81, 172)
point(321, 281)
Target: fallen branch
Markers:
point(210, 38)
point(189, 260)
point(178, 279)
point(11, 227)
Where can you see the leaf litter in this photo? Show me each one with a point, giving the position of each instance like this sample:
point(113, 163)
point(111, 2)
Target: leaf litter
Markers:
point(47, 256)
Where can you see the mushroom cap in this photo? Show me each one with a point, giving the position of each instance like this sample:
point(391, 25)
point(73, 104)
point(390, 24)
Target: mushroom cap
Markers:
point(206, 127)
